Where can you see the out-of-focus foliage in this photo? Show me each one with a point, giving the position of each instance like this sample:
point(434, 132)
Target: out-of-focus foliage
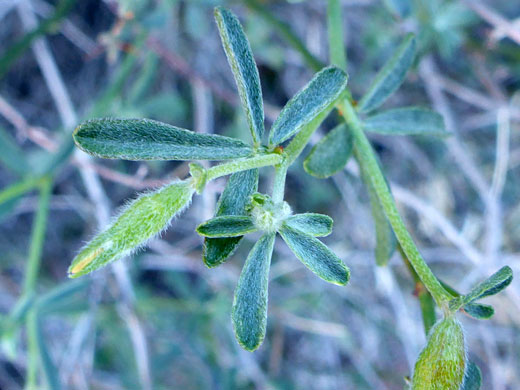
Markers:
point(166, 323)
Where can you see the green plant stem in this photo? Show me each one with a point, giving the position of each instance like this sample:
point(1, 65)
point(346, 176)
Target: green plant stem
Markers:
point(361, 143)
point(32, 351)
point(279, 183)
point(37, 237)
point(337, 53)
point(425, 299)
point(261, 160)
point(19, 188)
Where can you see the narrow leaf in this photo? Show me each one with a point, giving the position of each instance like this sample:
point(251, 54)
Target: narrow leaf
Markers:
point(34, 326)
point(479, 311)
point(315, 255)
point(317, 225)
point(491, 286)
point(390, 77)
point(145, 139)
point(227, 226)
point(330, 155)
point(11, 155)
point(406, 121)
point(400, 8)
point(233, 201)
point(319, 94)
point(240, 58)
point(249, 313)
point(472, 377)
point(142, 219)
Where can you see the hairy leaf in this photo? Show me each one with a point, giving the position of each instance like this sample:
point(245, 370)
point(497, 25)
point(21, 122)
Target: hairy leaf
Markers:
point(249, 312)
point(142, 219)
point(472, 377)
point(491, 286)
point(315, 255)
point(240, 58)
point(479, 311)
point(317, 225)
point(233, 201)
point(330, 155)
point(227, 226)
point(406, 121)
point(317, 96)
point(145, 139)
point(390, 77)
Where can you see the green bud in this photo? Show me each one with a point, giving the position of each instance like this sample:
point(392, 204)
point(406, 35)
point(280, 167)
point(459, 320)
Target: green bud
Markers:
point(267, 215)
point(142, 219)
point(200, 176)
point(442, 362)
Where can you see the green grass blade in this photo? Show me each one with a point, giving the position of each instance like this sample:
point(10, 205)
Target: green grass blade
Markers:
point(142, 219)
point(317, 96)
point(249, 314)
point(233, 201)
point(286, 32)
point(39, 348)
point(390, 77)
point(316, 256)
point(145, 139)
point(227, 226)
point(240, 58)
point(37, 237)
point(316, 225)
point(19, 47)
point(406, 121)
point(330, 154)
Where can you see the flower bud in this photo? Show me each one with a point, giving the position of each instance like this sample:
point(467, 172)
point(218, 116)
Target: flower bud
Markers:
point(142, 219)
point(442, 362)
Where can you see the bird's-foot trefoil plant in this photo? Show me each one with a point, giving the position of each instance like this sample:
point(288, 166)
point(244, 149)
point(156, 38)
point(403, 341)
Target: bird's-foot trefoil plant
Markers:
point(243, 210)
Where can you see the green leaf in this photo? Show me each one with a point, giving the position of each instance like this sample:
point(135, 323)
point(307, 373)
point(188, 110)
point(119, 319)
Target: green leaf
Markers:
point(240, 58)
point(472, 377)
point(406, 121)
point(249, 312)
point(142, 219)
point(11, 155)
point(390, 77)
point(145, 139)
point(479, 311)
point(491, 286)
point(317, 96)
point(330, 155)
point(233, 201)
point(317, 225)
point(227, 226)
point(400, 8)
point(315, 255)
point(34, 326)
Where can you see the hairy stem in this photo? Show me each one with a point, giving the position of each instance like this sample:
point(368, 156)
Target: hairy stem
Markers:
point(361, 143)
point(262, 160)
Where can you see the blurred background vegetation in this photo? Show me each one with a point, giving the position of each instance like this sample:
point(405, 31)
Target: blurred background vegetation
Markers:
point(161, 320)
